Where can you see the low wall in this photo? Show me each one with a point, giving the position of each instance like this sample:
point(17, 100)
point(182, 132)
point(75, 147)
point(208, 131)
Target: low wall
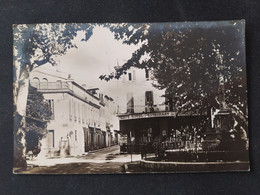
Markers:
point(206, 156)
point(159, 166)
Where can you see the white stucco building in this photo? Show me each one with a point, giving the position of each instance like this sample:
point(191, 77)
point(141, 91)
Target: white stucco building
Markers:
point(82, 119)
point(145, 112)
point(137, 93)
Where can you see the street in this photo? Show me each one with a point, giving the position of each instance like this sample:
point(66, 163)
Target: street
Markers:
point(107, 160)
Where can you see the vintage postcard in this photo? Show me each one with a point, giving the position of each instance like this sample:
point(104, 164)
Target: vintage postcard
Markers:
point(130, 97)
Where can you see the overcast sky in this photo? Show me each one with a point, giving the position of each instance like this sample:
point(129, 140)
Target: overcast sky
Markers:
point(99, 55)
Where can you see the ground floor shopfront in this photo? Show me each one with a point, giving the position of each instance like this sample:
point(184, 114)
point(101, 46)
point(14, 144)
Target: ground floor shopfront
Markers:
point(95, 138)
point(74, 140)
point(178, 131)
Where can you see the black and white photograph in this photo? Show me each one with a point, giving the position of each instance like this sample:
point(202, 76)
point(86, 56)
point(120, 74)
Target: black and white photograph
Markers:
point(119, 98)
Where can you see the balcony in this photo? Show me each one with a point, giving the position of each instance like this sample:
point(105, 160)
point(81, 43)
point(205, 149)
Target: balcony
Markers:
point(139, 112)
point(65, 87)
point(50, 85)
point(148, 111)
point(145, 108)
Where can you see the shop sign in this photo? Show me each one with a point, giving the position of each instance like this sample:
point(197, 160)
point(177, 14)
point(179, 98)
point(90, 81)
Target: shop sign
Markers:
point(147, 115)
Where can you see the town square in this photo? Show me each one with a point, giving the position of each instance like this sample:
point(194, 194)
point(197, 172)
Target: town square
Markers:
point(130, 98)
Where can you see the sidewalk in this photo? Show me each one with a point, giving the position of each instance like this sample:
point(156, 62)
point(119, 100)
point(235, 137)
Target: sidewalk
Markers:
point(97, 156)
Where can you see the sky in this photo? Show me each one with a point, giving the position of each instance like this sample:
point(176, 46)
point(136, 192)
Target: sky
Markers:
point(99, 55)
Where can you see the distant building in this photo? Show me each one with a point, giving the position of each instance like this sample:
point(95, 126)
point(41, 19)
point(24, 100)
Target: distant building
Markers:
point(82, 119)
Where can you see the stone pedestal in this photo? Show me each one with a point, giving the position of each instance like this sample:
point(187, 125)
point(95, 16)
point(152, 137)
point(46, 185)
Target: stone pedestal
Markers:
point(220, 132)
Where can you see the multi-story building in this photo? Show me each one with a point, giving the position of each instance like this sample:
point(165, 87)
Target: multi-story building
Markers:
point(82, 119)
point(144, 113)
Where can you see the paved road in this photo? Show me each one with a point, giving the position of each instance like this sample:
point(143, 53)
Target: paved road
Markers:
point(107, 160)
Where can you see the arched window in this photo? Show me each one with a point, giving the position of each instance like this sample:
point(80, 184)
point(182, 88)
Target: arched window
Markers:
point(35, 82)
point(59, 84)
point(44, 84)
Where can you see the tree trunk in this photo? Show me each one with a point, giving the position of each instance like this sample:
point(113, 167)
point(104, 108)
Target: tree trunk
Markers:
point(20, 91)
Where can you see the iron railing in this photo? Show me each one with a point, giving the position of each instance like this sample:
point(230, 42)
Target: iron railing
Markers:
point(138, 109)
point(50, 85)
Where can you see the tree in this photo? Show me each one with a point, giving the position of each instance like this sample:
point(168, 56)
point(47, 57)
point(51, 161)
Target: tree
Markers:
point(38, 114)
point(35, 45)
point(197, 63)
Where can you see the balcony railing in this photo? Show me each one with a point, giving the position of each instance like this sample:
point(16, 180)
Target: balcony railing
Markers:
point(141, 111)
point(50, 85)
point(145, 108)
point(136, 109)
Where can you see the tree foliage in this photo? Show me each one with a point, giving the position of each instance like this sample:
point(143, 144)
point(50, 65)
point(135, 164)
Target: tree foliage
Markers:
point(33, 46)
point(191, 61)
point(37, 44)
point(38, 114)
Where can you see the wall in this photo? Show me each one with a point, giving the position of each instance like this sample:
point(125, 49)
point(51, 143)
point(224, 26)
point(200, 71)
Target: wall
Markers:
point(74, 113)
point(137, 87)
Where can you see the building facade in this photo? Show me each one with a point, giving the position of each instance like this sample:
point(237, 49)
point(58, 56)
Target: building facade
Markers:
point(82, 119)
point(145, 113)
